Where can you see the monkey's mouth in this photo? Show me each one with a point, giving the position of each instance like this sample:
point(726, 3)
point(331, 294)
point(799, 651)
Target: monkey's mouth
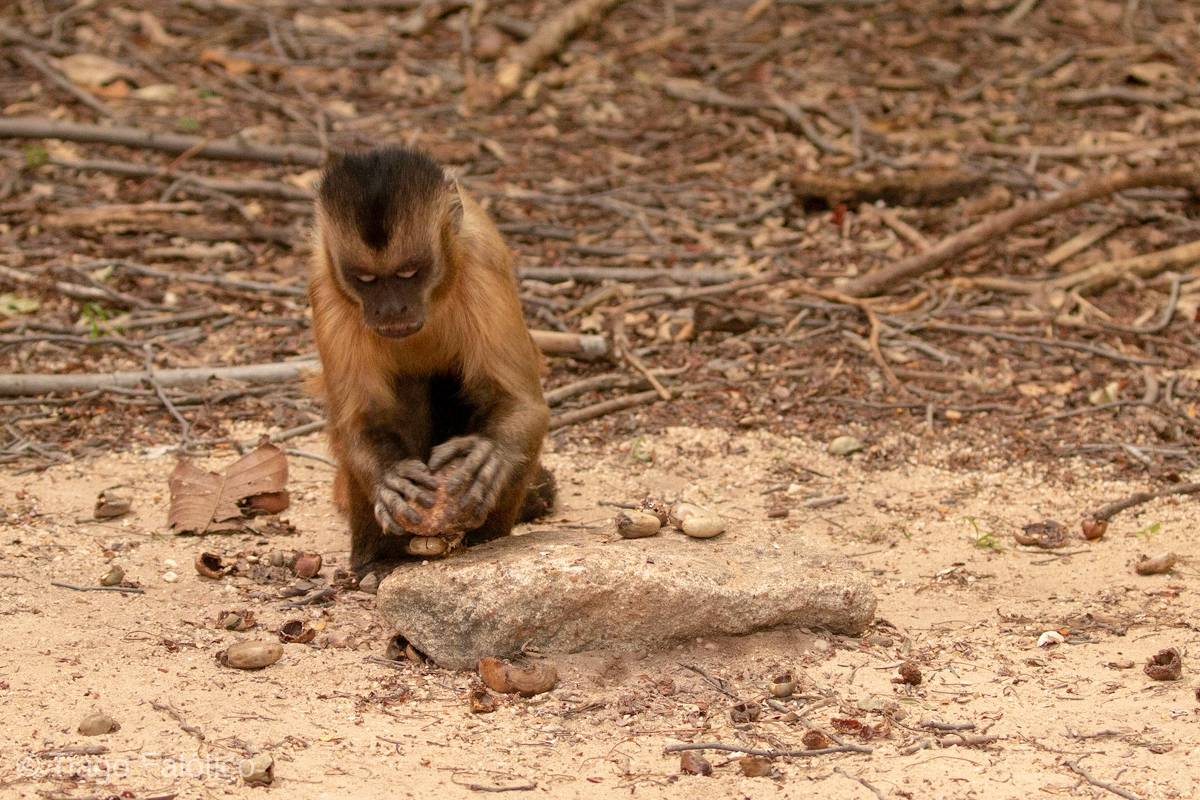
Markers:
point(398, 330)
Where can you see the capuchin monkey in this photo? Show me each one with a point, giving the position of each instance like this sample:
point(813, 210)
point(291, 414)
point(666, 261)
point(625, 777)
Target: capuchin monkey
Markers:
point(427, 364)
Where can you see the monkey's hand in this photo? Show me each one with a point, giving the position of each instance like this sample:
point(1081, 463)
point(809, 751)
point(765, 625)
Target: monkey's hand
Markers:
point(401, 487)
point(482, 472)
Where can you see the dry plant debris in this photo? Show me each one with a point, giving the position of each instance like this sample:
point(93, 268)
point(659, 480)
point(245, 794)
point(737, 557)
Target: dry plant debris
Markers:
point(208, 502)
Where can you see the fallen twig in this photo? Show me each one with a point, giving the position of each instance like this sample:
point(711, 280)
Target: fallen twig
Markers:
point(577, 415)
point(87, 98)
point(631, 274)
point(1094, 781)
point(547, 40)
point(737, 748)
point(14, 385)
point(178, 717)
point(1018, 216)
point(74, 290)
point(1106, 273)
point(283, 191)
point(1112, 509)
point(315, 596)
point(228, 149)
point(76, 587)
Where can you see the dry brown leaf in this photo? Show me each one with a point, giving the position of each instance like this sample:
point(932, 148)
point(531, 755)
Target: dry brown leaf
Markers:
point(205, 502)
point(89, 69)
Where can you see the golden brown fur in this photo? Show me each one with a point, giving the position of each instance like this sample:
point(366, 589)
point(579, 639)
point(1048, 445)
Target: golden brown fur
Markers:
point(473, 332)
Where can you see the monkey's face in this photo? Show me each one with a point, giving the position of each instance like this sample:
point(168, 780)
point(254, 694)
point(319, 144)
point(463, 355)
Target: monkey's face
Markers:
point(393, 298)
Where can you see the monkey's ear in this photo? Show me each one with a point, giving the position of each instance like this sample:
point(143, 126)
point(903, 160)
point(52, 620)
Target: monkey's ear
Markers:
point(455, 213)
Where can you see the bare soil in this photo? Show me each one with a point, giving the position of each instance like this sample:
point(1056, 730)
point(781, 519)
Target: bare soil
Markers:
point(958, 598)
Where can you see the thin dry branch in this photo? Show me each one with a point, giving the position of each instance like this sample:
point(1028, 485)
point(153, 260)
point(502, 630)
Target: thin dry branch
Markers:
point(1112, 509)
point(22, 385)
point(227, 149)
point(1006, 221)
point(548, 39)
point(1105, 274)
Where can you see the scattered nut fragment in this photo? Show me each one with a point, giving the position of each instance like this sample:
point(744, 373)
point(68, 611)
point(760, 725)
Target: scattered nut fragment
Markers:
point(1047, 535)
point(755, 766)
point(236, 620)
point(527, 681)
point(1124, 663)
point(1165, 665)
point(258, 770)
point(111, 504)
point(783, 685)
point(1049, 638)
point(250, 655)
point(432, 546)
point(482, 701)
point(745, 712)
point(652, 505)
point(1156, 565)
point(170, 576)
point(1094, 528)
point(637, 524)
point(210, 565)
point(399, 647)
point(267, 502)
point(341, 640)
point(97, 724)
point(306, 564)
point(113, 577)
point(697, 522)
point(295, 631)
point(845, 445)
point(816, 740)
point(692, 763)
point(910, 674)
point(278, 558)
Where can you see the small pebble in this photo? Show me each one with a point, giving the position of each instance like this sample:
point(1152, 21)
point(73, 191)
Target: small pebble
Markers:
point(369, 583)
point(258, 770)
point(845, 445)
point(170, 577)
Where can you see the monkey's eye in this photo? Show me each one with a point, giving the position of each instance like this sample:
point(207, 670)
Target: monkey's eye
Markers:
point(365, 277)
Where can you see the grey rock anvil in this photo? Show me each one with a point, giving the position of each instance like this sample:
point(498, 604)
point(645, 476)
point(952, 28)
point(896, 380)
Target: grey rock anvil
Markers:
point(558, 592)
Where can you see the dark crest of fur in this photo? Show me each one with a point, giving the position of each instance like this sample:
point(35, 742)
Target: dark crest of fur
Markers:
point(371, 191)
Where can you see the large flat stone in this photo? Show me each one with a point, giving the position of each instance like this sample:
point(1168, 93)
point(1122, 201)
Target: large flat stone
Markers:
point(567, 592)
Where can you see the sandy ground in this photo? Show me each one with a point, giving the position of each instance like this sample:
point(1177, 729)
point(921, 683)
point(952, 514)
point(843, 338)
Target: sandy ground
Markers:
point(957, 596)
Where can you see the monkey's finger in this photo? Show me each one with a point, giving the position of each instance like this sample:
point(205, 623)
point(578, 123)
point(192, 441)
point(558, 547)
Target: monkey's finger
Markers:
point(473, 466)
point(450, 449)
point(384, 517)
point(414, 471)
point(398, 510)
point(409, 490)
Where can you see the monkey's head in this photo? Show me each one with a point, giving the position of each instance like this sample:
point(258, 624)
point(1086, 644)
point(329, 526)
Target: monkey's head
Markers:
point(388, 220)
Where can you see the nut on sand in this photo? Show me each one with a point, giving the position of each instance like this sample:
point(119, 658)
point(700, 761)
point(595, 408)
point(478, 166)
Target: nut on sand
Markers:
point(98, 724)
point(697, 522)
point(527, 681)
point(637, 524)
point(251, 655)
